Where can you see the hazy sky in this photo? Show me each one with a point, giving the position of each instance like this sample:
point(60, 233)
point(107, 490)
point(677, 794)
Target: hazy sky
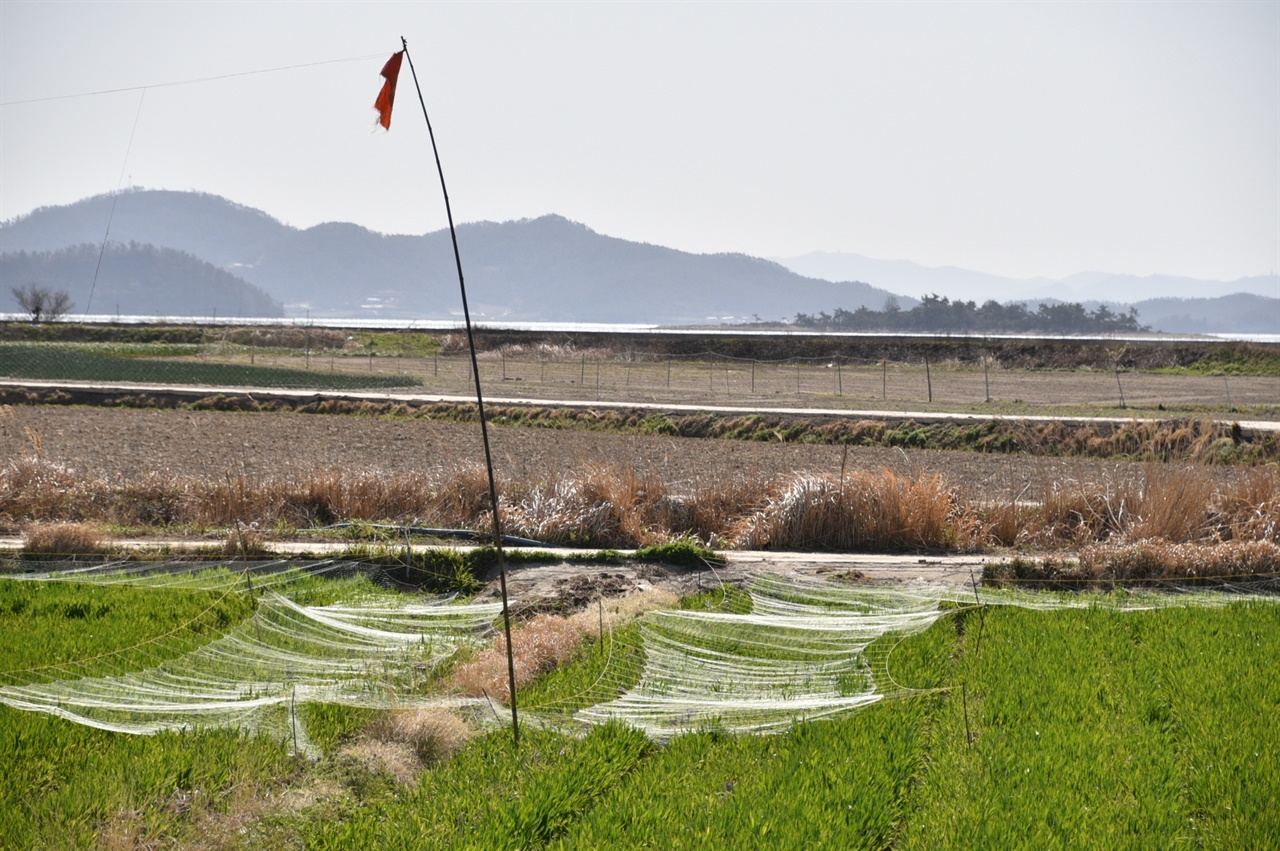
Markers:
point(1015, 138)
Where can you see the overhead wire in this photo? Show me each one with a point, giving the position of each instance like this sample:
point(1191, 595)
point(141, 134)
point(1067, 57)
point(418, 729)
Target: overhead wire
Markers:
point(193, 81)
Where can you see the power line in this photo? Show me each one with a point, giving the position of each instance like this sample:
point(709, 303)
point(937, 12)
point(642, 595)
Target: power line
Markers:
point(194, 81)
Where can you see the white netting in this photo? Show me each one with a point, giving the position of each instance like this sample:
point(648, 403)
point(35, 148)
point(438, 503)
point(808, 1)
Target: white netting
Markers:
point(377, 649)
point(788, 649)
point(807, 650)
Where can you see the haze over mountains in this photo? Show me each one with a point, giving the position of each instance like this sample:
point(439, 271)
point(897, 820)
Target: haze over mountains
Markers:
point(967, 285)
point(187, 253)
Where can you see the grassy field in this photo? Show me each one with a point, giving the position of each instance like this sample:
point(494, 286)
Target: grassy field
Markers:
point(921, 375)
point(1051, 728)
point(175, 364)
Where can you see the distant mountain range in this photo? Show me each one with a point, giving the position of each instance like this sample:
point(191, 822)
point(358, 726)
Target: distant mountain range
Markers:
point(187, 253)
point(966, 285)
point(544, 269)
point(1186, 305)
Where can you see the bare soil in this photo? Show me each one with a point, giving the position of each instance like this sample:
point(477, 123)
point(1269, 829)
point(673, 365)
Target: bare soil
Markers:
point(122, 443)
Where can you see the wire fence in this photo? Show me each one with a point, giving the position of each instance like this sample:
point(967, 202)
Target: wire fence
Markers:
point(698, 378)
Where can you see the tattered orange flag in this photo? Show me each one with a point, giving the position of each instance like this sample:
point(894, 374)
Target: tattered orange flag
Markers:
point(386, 97)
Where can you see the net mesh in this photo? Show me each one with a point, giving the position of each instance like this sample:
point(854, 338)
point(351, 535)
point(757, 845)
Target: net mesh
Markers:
point(320, 632)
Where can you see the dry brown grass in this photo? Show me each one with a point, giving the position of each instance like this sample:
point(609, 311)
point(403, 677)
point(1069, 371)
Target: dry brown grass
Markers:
point(1162, 559)
point(67, 539)
point(1146, 561)
point(607, 506)
point(861, 511)
point(546, 641)
point(540, 644)
point(601, 506)
point(716, 507)
point(404, 742)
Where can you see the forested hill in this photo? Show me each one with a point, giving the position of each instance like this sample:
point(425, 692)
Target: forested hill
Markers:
point(134, 279)
point(547, 268)
point(938, 314)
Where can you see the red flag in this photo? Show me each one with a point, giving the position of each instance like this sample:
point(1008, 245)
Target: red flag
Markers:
point(386, 97)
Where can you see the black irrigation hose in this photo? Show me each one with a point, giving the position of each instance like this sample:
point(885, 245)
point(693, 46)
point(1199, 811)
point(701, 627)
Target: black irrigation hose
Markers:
point(441, 533)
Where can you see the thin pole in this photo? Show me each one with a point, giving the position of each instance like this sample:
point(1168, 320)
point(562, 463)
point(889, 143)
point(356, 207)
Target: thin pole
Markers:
point(484, 428)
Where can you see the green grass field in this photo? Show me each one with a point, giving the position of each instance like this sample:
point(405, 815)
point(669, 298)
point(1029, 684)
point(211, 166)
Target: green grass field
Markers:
point(171, 364)
point(1069, 728)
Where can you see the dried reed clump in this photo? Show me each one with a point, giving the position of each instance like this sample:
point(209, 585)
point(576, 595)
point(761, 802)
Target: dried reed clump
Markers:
point(460, 495)
point(404, 742)
point(1172, 504)
point(335, 495)
point(714, 508)
point(1175, 504)
point(1078, 513)
point(1004, 524)
point(1160, 559)
point(40, 490)
point(861, 511)
point(1249, 509)
point(64, 539)
point(602, 506)
point(540, 644)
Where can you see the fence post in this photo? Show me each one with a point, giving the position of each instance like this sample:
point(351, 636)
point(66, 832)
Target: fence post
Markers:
point(668, 373)
point(884, 379)
point(582, 377)
point(986, 376)
point(1121, 388)
point(839, 380)
point(504, 364)
point(753, 375)
point(797, 378)
point(928, 378)
point(1227, 381)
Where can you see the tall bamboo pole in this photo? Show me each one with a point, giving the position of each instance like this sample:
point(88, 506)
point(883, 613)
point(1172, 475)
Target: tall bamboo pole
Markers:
point(484, 427)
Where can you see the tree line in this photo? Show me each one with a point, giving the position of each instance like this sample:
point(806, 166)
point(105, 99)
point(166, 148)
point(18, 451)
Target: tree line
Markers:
point(938, 314)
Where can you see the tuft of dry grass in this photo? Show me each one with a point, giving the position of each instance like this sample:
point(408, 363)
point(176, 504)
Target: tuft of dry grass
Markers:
point(1146, 561)
point(406, 741)
point(64, 539)
point(540, 644)
point(861, 511)
point(1162, 559)
point(716, 507)
point(601, 506)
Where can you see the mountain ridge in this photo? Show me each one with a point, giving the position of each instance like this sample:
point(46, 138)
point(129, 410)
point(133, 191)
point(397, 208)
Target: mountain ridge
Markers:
point(547, 268)
point(551, 268)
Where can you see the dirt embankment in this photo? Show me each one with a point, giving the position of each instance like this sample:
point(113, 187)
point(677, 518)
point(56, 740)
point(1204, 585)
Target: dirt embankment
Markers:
point(1142, 354)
